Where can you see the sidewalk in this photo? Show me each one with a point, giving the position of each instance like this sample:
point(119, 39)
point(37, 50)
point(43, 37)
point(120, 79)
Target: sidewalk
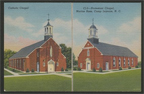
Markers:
point(14, 74)
point(110, 71)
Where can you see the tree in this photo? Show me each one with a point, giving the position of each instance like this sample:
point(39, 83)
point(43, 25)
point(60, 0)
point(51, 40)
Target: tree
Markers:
point(7, 54)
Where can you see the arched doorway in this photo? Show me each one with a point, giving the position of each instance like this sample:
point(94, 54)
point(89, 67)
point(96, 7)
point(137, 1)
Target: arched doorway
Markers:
point(88, 64)
point(51, 66)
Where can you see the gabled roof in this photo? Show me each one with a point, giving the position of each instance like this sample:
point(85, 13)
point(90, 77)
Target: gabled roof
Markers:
point(109, 49)
point(27, 50)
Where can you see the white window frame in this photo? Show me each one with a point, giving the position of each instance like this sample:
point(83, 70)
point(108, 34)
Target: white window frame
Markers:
point(80, 65)
point(114, 64)
point(98, 65)
point(132, 61)
point(128, 62)
point(119, 62)
point(88, 52)
point(124, 62)
point(43, 64)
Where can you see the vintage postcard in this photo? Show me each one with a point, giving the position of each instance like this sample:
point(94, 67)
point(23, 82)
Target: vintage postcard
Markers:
point(72, 47)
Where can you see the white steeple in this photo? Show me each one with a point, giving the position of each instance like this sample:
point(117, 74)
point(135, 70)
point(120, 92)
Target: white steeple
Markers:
point(48, 30)
point(93, 31)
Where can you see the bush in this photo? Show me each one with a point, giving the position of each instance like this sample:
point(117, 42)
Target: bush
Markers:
point(79, 69)
point(120, 68)
point(32, 70)
point(13, 70)
point(27, 70)
point(62, 69)
point(94, 70)
point(136, 66)
point(66, 69)
point(100, 70)
point(74, 68)
point(129, 67)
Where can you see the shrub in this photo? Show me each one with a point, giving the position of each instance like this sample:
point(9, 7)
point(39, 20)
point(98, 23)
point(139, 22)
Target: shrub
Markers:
point(66, 69)
point(79, 69)
point(27, 70)
point(74, 68)
point(136, 66)
point(129, 67)
point(100, 70)
point(120, 68)
point(13, 70)
point(94, 70)
point(32, 70)
point(62, 69)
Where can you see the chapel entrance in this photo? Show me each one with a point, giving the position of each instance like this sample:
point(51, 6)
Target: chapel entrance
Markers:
point(107, 66)
point(51, 66)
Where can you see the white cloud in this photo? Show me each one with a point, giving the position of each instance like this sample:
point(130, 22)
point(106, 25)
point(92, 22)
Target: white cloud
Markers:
point(18, 22)
point(133, 26)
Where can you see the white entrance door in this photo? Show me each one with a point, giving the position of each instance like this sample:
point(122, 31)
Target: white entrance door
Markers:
point(51, 67)
point(88, 66)
point(107, 66)
point(37, 66)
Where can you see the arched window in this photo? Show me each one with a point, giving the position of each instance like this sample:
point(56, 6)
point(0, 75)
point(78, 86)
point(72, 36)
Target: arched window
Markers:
point(43, 64)
point(128, 62)
point(88, 52)
point(97, 65)
point(132, 61)
point(119, 62)
point(114, 61)
point(80, 65)
point(51, 51)
point(124, 61)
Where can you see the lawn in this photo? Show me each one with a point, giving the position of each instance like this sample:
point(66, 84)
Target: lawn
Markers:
point(7, 73)
point(125, 81)
point(14, 70)
point(38, 83)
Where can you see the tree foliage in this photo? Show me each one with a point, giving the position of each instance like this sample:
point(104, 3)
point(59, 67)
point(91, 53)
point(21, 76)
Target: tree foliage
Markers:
point(66, 51)
point(7, 54)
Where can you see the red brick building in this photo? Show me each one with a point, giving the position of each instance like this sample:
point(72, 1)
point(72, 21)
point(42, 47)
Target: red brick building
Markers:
point(43, 56)
point(98, 55)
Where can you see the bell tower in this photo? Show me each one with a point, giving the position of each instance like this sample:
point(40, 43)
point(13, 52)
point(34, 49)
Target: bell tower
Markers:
point(48, 29)
point(93, 33)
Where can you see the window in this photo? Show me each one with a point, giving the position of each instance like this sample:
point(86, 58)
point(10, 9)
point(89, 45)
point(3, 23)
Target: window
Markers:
point(128, 62)
point(43, 64)
point(88, 53)
point(57, 64)
point(37, 54)
point(119, 62)
point(50, 31)
point(124, 61)
point(51, 51)
point(80, 65)
point(17, 63)
point(20, 63)
point(97, 65)
point(114, 62)
point(23, 60)
point(132, 61)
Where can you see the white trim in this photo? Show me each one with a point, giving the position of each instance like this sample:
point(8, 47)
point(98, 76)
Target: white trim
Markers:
point(87, 47)
point(88, 61)
point(48, 65)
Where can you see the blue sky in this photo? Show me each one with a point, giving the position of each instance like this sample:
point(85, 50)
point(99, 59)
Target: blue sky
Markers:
point(25, 26)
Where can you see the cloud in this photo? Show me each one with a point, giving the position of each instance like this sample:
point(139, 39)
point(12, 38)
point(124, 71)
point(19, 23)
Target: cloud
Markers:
point(18, 22)
point(133, 26)
point(16, 43)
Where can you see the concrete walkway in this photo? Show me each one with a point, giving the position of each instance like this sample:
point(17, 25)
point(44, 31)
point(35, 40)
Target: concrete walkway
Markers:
point(65, 75)
point(14, 74)
point(17, 75)
point(110, 71)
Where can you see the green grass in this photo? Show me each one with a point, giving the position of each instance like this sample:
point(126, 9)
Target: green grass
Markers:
point(31, 73)
point(125, 81)
point(7, 73)
point(38, 83)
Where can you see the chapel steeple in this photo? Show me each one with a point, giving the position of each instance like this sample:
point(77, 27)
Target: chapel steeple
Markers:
point(48, 30)
point(93, 33)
